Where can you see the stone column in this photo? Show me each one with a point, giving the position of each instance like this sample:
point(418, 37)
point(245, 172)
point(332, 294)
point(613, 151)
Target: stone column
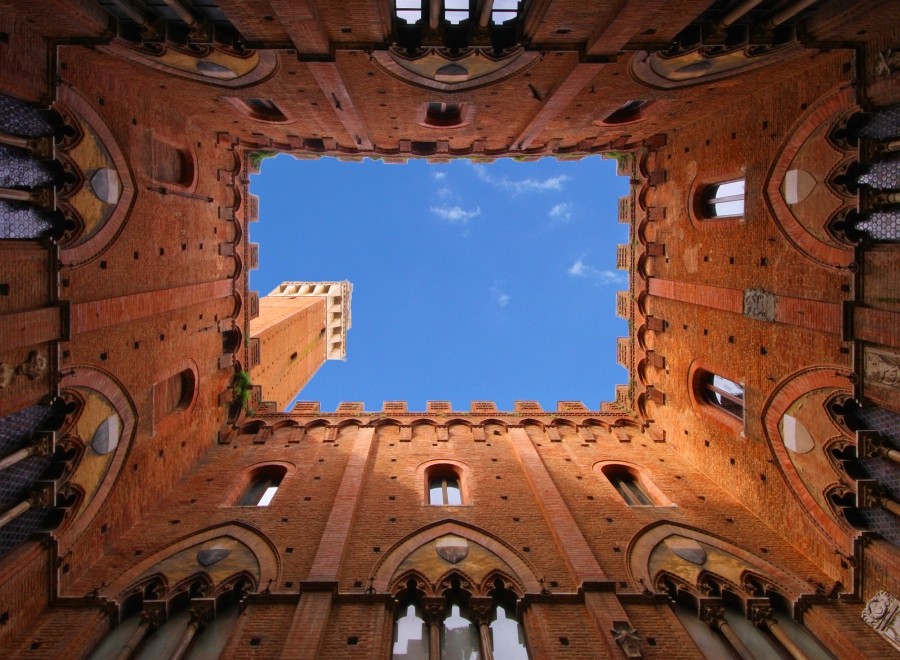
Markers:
point(153, 615)
point(713, 615)
point(763, 616)
point(433, 610)
point(43, 447)
point(481, 611)
point(40, 147)
point(203, 610)
point(870, 494)
point(43, 496)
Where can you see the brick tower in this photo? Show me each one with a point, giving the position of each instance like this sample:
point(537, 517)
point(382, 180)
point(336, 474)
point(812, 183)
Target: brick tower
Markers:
point(300, 326)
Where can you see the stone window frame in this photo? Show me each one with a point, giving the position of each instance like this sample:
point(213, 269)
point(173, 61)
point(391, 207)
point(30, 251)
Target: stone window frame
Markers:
point(706, 200)
point(260, 109)
point(251, 475)
point(628, 113)
point(463, 116)
point(640, 478)
point(698, 374)
point(442, 468)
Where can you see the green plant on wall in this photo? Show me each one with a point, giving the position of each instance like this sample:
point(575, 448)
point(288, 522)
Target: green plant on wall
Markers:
point(257, 157)
point(243, 388)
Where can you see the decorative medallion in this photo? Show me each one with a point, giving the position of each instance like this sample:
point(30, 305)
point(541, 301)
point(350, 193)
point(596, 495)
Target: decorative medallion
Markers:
point(796, 436)
point(106, 186)
point(882, 614)
point(106, 437)
point(210, 556)
point(452, 549)
point(687, 549)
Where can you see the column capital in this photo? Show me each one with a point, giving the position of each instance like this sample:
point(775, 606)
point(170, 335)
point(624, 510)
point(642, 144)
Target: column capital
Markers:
point(481, 610)
point(154, 614)
point(202, 611)
point(761, 613)
point(434, 609)
point(711, 612)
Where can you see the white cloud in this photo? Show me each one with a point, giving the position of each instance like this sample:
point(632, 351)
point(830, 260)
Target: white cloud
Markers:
point(581, 269)
point(561, 212)
point(439, 175)
point(500, 296)
point(455, 214)
point(517, 186)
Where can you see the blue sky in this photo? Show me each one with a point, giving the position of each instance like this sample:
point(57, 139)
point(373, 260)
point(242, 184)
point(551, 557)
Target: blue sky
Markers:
point(470, 282)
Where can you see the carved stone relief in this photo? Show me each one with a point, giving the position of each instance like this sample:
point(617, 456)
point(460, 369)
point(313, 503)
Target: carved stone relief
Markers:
point(759, 304)
point(881, 613)
point(882, 368)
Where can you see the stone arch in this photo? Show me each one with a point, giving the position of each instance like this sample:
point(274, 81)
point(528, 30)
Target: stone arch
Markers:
point(266, 555)
point(783, 395)
point(386, 567)
point(112, 390)
point(811, 247)
point(211, 64)
point(97, 242)
point(651, 537)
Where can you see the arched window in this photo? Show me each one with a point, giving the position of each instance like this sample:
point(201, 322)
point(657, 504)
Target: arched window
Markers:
point(174, 393)
point(627, 483)
point(507, 634)
point(722, 200)
point(171, 165)
point(627, 113)
point(459, 635)
point(444, 486)
point(443, 115)
point(259, 109)
point(724, 394)
point(411, 635)
point(264, 483)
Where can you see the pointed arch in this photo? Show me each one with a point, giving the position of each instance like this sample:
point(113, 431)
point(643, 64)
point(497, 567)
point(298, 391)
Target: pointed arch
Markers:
point(384, 569)
point(643, 544)
point(782, 396)
point(254, 540)
point(114, 392)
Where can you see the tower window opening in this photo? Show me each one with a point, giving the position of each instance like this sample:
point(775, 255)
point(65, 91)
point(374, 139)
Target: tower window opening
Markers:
point(628, 485)
point(443, 114)
point(724, 200)
point(724, 394)
point(444, 489)
point(263, 485)
point(627, 113)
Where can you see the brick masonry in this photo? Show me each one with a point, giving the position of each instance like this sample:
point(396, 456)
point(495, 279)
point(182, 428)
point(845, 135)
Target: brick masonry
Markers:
point(147, 297)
